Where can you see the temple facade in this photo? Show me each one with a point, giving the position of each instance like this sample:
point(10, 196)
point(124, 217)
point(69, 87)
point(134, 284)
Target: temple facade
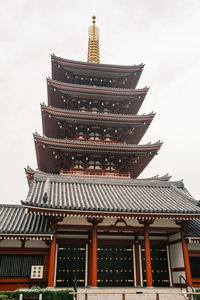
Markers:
point(87, 216)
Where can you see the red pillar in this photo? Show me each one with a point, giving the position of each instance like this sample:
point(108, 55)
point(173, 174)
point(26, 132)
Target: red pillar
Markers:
point(52, 262)
point(94, 257)
point(148, 257)
point(186, 259)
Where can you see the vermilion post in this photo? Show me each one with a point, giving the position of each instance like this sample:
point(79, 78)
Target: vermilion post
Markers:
point(186, 259)
point(148, 257)
point(94, 257)
point(52, 262)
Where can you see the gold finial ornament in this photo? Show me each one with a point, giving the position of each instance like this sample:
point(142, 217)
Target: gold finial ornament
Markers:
point(93, 43)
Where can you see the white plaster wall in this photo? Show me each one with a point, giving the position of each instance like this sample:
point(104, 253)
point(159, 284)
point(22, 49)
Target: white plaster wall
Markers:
point(174, 237)
point(132, 222)
point(115, 237)
point(176, 254)
point(72, 236)
point(36, 244)
point(175, 276)
point(177, 261)
point(71, 220)
point(164, 223)
point(169, 267)
point(158, 238)
point(11, 243)
point(74, 221)
point(194, 246)
point(56, 260)
point(112, 221)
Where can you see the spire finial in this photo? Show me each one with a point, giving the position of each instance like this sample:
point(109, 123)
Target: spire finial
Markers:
point(93, 43)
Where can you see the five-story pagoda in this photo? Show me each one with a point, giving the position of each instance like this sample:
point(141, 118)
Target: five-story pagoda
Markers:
point(91, 125)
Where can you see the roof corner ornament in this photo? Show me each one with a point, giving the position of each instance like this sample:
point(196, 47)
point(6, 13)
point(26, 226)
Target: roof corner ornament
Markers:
point(93, 43)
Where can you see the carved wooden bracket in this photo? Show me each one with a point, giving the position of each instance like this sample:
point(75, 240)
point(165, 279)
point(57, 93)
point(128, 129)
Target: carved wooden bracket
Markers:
point(23, 243)
point(183, 223)
point(94, 220)
point(146, 223)
point(120, 221)
point(53, 220)
point(48, 242)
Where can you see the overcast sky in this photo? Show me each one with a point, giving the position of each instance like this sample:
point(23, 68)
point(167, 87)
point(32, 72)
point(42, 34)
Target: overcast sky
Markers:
point(163, 34)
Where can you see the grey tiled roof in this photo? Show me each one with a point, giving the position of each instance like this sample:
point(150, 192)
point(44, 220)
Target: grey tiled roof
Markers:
point(110, 195)
point(14, 219)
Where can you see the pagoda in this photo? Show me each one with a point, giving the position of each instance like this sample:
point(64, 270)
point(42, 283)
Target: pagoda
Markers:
point(91, 125)
point(87, 216)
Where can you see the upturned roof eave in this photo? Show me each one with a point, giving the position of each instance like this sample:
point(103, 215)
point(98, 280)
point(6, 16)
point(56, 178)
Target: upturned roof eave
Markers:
point(96, 89)
point(155, 146)
point(91, 66)
point(78, 114)
point(111, 213)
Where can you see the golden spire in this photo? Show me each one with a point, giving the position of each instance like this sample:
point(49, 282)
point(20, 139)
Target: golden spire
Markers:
point(93, 43)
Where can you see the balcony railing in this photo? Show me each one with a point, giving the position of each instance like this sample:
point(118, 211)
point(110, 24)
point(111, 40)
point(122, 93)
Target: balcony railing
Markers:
point(93, 172)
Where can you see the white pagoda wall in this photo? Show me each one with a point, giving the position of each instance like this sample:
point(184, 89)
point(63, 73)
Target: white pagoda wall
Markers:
point(194, 246)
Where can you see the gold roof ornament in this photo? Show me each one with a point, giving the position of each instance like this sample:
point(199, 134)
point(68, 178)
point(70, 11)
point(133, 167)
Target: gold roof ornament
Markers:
point(93, 43)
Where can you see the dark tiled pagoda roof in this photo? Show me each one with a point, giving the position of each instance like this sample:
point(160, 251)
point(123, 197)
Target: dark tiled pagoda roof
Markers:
point(108, 68)
point(118, 118)
point(45, 147)
point(15, 219)
point(95, 90)
point(62, 67)
point(118, 147)
point(95, 93)
point(111, 195)
point(138, 123)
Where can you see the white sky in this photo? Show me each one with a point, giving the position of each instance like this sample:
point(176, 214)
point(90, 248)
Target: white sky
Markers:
point(163, 34)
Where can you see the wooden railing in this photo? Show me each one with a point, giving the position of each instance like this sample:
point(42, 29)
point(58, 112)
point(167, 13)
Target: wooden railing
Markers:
point(94, 172)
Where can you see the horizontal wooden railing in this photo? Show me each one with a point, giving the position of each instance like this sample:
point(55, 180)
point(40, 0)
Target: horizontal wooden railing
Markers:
point(123, 294)
point(95, 172)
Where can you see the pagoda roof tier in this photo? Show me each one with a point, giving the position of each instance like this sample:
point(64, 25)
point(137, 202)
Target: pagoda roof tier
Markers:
point(53, 117)
point(105, 197)
point(124, 76)
point(51, 153)
point(132, 97)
